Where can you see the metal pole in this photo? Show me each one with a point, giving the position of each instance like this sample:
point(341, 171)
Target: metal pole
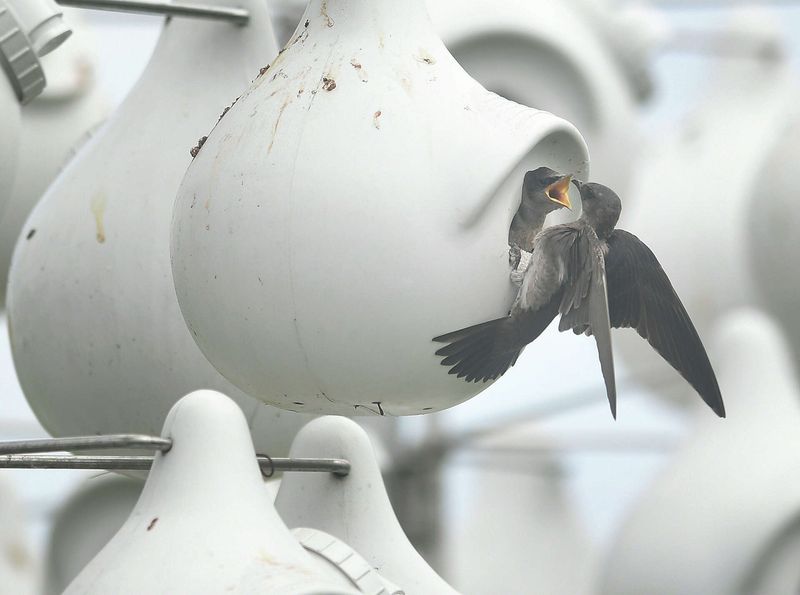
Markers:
point(136, 441)
point(720, 3)
point(238, 16)
point(143, 463)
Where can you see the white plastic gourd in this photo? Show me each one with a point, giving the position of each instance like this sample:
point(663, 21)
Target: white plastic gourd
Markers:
point(702, 178)
point(204, 524)
point(773, 239)
point(83, 525)
point(527, 52)
point(97, 336)
point(726, 508)
point(530, 542)
point(353, 204)
point(28, 29)
point(355, 508)
point(53, 126)
point(10, 119)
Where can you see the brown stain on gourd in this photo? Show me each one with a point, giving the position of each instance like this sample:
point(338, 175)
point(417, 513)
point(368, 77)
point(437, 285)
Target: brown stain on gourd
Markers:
point(323, 11)
point(98, 207)
point(277, 123)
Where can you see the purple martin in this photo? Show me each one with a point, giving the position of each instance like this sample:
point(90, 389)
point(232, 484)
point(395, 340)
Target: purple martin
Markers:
point(543, 191)
point(596, 277)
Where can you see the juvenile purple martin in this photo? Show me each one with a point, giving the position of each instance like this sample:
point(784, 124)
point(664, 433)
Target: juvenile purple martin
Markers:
point(543, 191)
point(596, 277)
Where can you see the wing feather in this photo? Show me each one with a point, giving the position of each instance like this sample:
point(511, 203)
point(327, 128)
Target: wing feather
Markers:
point(585, 303)
point(641, 296)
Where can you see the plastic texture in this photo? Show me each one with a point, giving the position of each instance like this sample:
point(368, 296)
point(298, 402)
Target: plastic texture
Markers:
point(53, 129)
point(97, 247)
point(355, 508)
point(353, 204)
point(528, 52)
point(347, 560)
point(84, 524)
point(10, 117)
point(43, 23)
point(18, 57)
point(727, 507)
point(204, 522)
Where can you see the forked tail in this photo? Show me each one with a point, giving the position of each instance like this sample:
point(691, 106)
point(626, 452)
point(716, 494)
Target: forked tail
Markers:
point(481, 352)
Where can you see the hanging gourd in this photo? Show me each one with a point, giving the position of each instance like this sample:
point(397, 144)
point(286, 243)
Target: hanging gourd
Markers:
point(97, 336)
point(354, 203)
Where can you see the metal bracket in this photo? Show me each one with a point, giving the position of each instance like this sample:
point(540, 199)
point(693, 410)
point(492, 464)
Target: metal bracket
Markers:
point(15, 455)
point(238, 16)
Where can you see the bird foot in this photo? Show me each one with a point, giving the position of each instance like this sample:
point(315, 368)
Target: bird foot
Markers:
point(514, 254)
point(518, 274)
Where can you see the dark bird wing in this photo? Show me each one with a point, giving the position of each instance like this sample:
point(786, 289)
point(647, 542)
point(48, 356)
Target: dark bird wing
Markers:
point(641, 296)
point(584, 305)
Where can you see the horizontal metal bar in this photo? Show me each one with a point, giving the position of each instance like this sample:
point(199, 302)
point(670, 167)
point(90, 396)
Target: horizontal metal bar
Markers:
point(720, 3)
point(136, 441)
point(238, 16)
point(143, 463)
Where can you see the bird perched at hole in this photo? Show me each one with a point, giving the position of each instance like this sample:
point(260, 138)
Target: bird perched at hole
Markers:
point(543, 191)
point(596, 277)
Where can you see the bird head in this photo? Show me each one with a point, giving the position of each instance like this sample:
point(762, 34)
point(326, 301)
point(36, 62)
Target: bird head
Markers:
point(548, 188)
point(601, 206)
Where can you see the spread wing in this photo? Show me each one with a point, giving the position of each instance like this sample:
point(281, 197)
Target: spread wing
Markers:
point(641, 296)
point(584, 305)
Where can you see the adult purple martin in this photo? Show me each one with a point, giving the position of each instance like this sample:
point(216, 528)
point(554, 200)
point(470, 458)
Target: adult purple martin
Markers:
point(596, 277)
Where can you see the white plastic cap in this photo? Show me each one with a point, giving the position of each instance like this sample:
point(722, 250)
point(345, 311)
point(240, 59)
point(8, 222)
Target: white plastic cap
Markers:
point(18, 58)
point(43, 23)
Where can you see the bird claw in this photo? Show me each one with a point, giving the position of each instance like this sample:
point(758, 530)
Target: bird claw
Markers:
point(514, 255)
point(518, 274)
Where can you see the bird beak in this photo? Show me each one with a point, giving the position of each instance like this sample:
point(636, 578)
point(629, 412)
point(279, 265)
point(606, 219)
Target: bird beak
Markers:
point(578, 184)
point(558, 191)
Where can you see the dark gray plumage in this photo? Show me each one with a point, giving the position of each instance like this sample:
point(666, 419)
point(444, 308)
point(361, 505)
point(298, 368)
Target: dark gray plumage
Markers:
point(596, 277)
point(543, 191)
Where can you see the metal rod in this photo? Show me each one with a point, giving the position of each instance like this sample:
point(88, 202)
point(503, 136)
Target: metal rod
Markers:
point(724, 43)
point(136, 441)
point(720, 3)
point(238, 16)
point(143, 463)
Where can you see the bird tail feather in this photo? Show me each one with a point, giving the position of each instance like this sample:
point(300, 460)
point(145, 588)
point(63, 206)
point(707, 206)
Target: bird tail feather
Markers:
point(481, 352)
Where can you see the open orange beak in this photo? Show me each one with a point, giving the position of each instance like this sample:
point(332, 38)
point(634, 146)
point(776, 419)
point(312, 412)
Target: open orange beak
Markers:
point(559, 191)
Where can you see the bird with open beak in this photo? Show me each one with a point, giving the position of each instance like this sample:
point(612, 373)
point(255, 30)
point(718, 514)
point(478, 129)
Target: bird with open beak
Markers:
point(596, 277)
point(543, 191)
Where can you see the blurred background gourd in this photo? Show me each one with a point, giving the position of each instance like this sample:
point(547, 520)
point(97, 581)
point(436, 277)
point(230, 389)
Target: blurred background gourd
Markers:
point(705, 157)
point(98, 340)
point(726, 508)
point(54, 126)
point(354, 203)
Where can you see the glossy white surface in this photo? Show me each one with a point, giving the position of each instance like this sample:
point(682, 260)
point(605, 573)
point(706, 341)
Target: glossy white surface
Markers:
point(353, 204)
point(553, 56)
point(204, 524)
point(84, 524)
point(54, 125)
point(97, 247)
point(355, 508)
